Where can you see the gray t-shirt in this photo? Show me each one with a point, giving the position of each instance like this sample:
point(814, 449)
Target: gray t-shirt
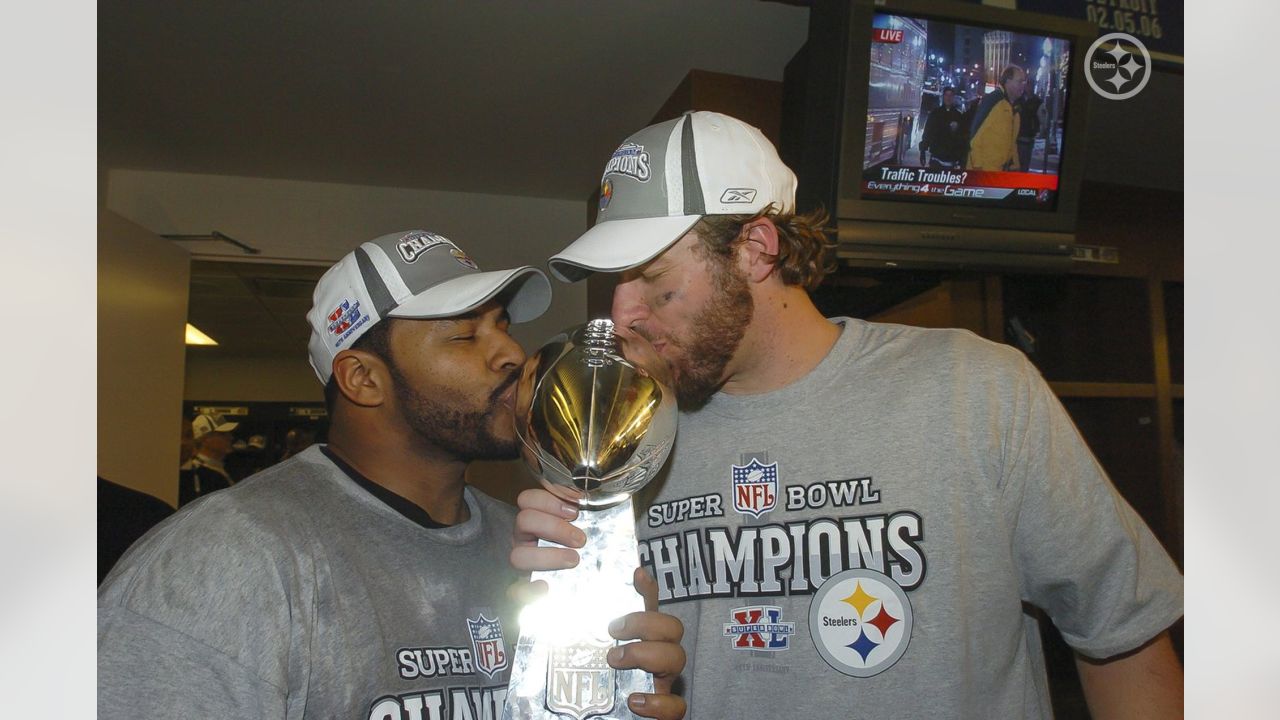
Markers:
point(864, 543)
point(297, 594)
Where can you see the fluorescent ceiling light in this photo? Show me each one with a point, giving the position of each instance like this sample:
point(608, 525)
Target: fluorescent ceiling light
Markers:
point(195, 337)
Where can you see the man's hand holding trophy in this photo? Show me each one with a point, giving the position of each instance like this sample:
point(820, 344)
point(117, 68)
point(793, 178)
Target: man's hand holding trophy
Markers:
point(596, 417)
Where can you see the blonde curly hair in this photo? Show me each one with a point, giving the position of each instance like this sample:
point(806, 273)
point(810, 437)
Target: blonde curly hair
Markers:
point(805, 251)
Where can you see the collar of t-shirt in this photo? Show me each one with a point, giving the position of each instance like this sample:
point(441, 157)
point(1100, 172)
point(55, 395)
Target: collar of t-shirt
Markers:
point(390, 499)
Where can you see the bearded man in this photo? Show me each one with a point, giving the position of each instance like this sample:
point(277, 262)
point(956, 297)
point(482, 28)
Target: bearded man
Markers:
point(857, 518)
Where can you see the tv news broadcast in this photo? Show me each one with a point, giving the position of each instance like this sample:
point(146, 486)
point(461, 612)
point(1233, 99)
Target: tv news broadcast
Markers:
point(964, 115)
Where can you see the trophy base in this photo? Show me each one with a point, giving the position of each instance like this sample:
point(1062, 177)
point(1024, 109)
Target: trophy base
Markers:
point(560, 669)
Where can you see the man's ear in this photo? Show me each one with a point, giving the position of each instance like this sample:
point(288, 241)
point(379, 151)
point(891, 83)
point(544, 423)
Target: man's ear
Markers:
point(759, 248)
point(361, 377)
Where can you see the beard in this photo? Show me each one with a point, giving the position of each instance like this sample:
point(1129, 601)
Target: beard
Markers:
point(717, 331)
point(462, 432)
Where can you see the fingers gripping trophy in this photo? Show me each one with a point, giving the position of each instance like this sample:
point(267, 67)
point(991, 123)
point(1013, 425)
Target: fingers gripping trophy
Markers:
point(596, 417)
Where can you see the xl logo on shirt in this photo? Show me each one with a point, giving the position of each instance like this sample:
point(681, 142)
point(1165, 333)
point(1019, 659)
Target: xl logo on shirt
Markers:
point(755, 488)
point(759, 627)
point(486, 641)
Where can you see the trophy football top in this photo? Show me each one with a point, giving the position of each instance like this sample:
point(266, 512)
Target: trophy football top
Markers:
point(595, 415)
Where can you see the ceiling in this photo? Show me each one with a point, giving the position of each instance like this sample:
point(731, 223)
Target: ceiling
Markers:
point(252, 309)
point(502, 97)
point(494, 96)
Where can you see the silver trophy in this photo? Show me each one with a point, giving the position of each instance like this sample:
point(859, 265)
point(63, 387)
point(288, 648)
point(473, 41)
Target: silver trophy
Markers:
point(596, 417)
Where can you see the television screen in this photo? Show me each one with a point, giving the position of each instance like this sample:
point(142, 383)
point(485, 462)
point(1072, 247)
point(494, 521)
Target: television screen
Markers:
point(964, 115)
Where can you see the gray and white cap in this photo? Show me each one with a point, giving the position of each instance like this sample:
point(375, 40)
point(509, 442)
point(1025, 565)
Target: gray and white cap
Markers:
point(203, 424)
point(417, 275)
point(664, 178)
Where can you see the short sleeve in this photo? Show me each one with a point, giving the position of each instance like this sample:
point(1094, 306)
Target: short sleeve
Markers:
point(1083, 554)
point(200, 619)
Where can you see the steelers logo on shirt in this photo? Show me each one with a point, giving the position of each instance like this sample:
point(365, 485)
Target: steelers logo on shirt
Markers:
point(860, 621)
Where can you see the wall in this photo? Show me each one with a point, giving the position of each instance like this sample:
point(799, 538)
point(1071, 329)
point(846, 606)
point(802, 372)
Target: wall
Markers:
point(250, 379)
point(293, 221)
point(142, 310)
point(296, 220)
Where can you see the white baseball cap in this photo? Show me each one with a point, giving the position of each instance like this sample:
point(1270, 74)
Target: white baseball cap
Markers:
point(202, 425)
point(664, 178)
point(415, 274)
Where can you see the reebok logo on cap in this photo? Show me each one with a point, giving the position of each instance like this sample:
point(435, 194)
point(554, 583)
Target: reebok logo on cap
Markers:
point(738, 195)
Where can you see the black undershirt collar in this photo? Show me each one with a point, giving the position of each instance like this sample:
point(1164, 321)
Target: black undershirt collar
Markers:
point(390, 499)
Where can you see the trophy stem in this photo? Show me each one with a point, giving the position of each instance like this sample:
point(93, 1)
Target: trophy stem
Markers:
point(560, 670)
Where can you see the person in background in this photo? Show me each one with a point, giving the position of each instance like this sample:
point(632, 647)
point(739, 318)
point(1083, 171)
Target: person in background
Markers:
point(362, 578)
point(993, 140)
point(297, 440)
point(124, 515)
point(1031, 117)
point(205, 472)
point(946, 137)
point(246, 458)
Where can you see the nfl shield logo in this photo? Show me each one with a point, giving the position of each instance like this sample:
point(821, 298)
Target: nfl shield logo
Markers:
point(755, 488)
point(486, 642)
point(580, 682)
